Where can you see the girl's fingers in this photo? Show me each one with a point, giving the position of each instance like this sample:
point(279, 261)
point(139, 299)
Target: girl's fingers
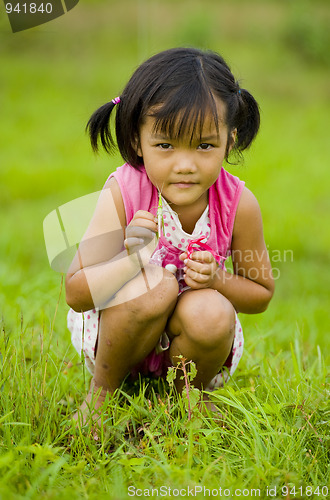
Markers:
point(152, 226)
point(145, 219)
point(195, 277)
point(143, 214)
point(139, 232)
point(137, 237)
point(197, 267)
point(133, 242)
point(202, 256)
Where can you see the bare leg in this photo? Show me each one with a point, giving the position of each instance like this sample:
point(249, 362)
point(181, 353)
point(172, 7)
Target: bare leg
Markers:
point(202, 328)
point(130, 329)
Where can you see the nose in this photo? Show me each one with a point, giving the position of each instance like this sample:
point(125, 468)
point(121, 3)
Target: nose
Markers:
point(185, 163)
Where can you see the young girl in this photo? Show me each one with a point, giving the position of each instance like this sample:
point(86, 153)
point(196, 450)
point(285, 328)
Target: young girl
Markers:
point(149, 281)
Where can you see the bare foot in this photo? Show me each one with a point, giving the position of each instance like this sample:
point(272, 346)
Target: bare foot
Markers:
point(93, 410)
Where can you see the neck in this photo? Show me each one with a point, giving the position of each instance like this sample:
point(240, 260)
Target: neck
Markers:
point(189, 215)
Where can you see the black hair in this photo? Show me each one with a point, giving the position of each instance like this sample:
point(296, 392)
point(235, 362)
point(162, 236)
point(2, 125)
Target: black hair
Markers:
point(177, 87)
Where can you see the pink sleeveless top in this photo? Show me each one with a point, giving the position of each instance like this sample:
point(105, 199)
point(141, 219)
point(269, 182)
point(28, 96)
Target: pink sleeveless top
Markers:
point(140, 194)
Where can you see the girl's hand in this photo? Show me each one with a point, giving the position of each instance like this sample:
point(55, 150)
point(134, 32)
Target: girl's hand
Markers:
point(200, 269)
point(140, 231)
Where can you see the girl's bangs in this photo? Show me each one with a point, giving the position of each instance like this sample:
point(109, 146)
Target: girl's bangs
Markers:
point(177, 119)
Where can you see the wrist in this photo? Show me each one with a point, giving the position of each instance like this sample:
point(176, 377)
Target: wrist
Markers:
point(219, 279)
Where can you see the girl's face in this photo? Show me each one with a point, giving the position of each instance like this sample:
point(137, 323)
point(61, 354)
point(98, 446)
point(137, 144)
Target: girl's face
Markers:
point(184, 169)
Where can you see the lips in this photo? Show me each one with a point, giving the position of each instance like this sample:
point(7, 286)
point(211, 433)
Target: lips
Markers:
point(184, 181)
point(184, 184)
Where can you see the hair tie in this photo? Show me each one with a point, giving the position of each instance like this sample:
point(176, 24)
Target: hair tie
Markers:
point(116, 100)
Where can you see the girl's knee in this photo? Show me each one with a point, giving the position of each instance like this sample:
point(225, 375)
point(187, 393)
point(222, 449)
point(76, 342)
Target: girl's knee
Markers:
point(162, 298)
point(209, 319)
point(157, 298)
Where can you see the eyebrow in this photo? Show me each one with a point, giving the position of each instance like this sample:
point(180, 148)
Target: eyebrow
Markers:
point(201, 139)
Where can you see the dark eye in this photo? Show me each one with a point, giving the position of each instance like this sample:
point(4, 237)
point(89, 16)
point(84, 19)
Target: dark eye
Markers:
point(205, 146)
point(164, 145)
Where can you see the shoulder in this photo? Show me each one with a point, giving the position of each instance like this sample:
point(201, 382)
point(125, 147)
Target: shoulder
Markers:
point(128, 185)
point(131, 180)
point(248, 215)
point(224, 198)
point(229, 189)
point(133, 191)
point(229, 181)
point(248, 204)
point(128, 173)
point(113, 186)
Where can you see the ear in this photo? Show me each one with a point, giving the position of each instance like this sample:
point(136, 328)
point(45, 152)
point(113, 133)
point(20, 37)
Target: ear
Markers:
point(232, 139)
point(137, 146)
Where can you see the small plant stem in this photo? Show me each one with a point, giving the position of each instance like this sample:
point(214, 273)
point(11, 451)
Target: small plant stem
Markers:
point(160, 215)
point(185, 375)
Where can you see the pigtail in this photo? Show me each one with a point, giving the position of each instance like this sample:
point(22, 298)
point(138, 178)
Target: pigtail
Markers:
point(248, 119)
point(98, 128)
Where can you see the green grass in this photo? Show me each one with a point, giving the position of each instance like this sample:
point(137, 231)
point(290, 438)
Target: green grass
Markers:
point(274, 431)
point(276, 408)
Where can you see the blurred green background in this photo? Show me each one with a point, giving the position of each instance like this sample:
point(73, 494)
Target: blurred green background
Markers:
point(54, 76)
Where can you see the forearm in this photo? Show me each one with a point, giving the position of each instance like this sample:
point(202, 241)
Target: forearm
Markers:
point(247, 296)
point(95, 285)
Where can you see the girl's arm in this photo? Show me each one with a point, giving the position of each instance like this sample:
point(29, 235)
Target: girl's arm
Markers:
point(251, 287)
point(102, 265)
